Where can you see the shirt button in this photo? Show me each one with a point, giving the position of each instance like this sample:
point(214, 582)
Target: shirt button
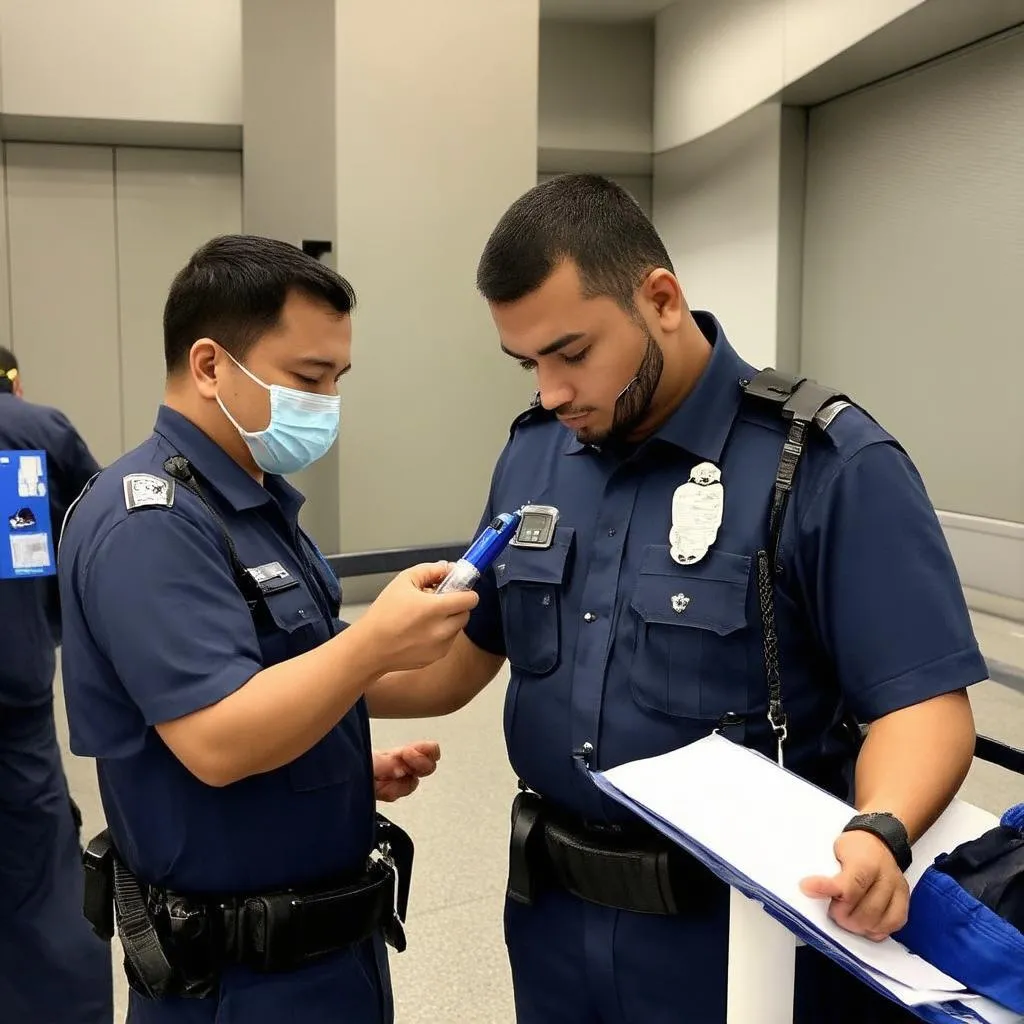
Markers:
point(589, 617)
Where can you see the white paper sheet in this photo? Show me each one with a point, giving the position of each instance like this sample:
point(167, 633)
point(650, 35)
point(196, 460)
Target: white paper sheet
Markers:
point(777, 829)
point(992, 1012)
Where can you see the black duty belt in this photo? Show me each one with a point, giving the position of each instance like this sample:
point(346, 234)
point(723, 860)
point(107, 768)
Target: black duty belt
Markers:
point(177, 944)
point(627, 868)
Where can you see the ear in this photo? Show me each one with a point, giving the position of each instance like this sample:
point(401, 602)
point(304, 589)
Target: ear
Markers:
point(664, 296)
point(204, 360)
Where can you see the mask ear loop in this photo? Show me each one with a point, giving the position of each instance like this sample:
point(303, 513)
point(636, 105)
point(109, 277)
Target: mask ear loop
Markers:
point(224, 409)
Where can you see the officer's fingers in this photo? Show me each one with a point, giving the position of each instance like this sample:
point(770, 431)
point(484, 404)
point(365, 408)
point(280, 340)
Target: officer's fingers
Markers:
point(427, 748)
point(822, 887)
point(863, 912)
point(388, 764)
point(391, 791)
point(457, 603)
point(895, 916)
point(444, 631)
point(427, 575)
point(419, 764)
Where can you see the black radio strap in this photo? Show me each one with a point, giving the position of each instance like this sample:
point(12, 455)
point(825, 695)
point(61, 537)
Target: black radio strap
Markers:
point(803, 402)
point(178, 467)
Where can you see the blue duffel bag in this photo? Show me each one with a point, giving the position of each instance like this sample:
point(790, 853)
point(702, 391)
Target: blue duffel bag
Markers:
point(967, 913)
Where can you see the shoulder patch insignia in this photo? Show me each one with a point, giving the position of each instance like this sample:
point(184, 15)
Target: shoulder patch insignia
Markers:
point(828, 413)
point(142, 490)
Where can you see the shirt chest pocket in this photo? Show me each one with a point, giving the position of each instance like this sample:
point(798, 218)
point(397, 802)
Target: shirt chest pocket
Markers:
point(289, 622)
point(531, 584)
point(692, 651)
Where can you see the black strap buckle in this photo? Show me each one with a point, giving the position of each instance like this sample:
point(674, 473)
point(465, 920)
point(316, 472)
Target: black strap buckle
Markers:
point(525, 845)
point(396, 851)
point(98, 862)
point(178, 467)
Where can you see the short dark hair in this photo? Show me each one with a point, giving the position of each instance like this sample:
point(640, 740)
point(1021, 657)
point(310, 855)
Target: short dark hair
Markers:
point(234, 288)
point(585, 218)
point(8, 362)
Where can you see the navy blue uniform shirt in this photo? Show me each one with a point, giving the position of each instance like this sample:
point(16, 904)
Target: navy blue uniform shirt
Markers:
point(155, 627)
point(869, 610)
point(29, 612)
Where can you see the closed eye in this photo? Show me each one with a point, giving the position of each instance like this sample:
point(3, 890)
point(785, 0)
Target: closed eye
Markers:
point(528, 364)
point(578, 358)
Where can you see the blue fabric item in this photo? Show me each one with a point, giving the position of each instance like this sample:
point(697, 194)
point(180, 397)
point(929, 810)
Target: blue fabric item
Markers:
point(30, 626)
point(1014, 818)
point(952, 928)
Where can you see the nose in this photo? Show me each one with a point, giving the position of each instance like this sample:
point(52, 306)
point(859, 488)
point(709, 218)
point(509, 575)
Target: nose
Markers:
point(554, 394)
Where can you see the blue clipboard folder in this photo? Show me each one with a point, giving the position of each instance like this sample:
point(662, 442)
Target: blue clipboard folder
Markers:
point(719, 774)
point(27, 549)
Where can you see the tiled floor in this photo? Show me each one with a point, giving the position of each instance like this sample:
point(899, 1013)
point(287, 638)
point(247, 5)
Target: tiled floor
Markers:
point(455, 970)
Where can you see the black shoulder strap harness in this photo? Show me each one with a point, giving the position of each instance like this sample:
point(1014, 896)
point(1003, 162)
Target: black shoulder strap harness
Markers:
point(180, 469)
point(804, 403)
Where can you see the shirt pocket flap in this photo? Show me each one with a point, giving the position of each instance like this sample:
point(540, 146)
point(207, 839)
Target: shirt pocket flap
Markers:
point(291, 608)
point(711, 595)
point(530, 565)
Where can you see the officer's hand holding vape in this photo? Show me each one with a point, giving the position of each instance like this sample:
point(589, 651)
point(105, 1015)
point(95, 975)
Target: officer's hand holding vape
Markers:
point(412, 626)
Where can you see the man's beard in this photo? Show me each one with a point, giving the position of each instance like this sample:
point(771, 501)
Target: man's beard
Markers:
point(634, 399)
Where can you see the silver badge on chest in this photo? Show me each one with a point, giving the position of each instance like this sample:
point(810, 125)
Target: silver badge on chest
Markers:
point(696, 514)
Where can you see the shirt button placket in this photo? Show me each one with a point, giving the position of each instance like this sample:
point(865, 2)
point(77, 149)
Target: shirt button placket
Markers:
point(598, 620)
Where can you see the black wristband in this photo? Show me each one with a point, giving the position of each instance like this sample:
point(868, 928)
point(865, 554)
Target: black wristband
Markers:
point(889, 829)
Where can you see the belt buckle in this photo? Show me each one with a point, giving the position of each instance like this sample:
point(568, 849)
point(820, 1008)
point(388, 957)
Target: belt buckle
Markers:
point(394, 929)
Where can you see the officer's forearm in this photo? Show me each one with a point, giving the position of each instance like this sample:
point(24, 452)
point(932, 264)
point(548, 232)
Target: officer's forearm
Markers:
point(439, 689)
point(279, 714)
point(914, 760)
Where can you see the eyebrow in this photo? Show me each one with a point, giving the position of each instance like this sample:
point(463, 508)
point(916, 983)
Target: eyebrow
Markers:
point(556, 346)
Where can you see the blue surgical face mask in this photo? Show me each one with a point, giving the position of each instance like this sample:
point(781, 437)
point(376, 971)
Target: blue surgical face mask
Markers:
point(302, 427)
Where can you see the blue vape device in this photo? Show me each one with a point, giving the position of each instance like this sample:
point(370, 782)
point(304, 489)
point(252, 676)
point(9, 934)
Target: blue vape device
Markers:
point(481, 553)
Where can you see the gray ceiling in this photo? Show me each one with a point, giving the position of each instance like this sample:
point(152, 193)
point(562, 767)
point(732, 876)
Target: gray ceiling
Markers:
point(601, 10)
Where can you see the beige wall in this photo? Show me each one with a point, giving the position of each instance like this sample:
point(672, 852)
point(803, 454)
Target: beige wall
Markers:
point(596, 87)
point(96, 234)
point(913, 268)
point(145, 60)
point(716, 61)
point(726, 208)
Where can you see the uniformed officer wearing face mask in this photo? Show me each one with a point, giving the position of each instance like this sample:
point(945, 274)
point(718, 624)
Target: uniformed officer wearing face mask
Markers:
point(206, 670)
point(635, 626)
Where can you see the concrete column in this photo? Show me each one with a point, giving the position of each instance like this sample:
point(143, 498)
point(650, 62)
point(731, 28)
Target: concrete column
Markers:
point(289, 177)
point(400, 133)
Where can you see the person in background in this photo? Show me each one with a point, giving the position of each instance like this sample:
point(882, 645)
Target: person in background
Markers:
point(208, 673)
point(634, 627)
point(52, 967)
